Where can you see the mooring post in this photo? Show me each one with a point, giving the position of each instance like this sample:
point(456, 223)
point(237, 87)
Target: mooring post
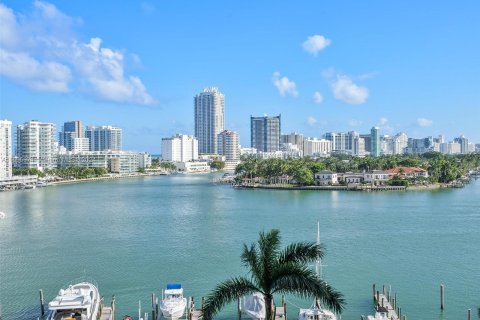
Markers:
point(374, 292)
point(153, 307)
point(112, 304)
point(42, 307)
point(156, 307)
point(399, 313)
point(378, 296)
point(395, 304)
point(239, 308)
point(389, 293)
point(203, 301)
point(383, 290)
point(404, 317)
point(382, 301)
point(441, 297)
point(469, 316)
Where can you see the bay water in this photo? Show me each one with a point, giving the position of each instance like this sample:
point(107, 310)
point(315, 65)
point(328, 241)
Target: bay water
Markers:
point(133, 236)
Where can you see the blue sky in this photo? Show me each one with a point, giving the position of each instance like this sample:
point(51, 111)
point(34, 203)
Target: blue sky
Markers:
point(410, 66)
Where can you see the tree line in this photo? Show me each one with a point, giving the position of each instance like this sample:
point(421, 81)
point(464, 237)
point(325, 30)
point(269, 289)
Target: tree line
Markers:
point(441, 168)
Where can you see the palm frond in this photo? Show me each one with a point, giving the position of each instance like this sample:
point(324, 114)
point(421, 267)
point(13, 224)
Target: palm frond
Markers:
point(250, 259)
point(269, 244)
point(225, 293)
point(292, 278)
point(302, 252)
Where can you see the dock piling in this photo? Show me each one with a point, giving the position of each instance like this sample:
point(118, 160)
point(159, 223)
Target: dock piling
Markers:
point(442, 297)
point(239, 308)
point(153, 307)
point(374, 292)
point(42, 303)
point(113, 307)
point(469, 315)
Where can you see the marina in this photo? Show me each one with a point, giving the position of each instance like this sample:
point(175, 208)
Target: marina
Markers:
point(146, 232)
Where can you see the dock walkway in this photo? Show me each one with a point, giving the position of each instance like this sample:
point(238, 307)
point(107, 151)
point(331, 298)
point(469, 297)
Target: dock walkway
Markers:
point(383, 302)
point(107, 314)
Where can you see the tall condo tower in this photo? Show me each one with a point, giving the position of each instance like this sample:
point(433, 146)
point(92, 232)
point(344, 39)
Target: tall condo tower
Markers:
point(5, 149)
point(36, 145)
point(375, 136)
point(209, 119)
point(72, 136)
point(104, 138)
point(265, 133)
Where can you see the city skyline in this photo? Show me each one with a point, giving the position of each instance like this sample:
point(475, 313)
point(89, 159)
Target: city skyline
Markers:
point(320, 74)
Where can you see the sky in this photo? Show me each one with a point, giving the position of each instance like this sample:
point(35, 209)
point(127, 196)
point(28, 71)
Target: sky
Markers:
point(405, 66)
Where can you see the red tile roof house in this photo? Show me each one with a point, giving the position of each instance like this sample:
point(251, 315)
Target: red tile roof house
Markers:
point(407, 172)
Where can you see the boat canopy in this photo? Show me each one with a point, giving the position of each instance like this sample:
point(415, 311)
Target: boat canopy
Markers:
point(174, 286)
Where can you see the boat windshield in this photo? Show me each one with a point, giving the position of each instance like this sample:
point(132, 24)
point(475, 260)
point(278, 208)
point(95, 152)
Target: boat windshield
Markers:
point(173, 297)
point(71, 314)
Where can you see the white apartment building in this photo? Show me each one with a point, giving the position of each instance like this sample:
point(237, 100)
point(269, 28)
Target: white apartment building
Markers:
point(450, 148)
point(326, 178)
point(180, 148)
point(229, 145)
point(209, 118)
point(36, 146)
point(314, 147)
point(80, 144)
point(104, 138)
point(114, 161)
point(400, 142)
point(359, 147)
point(5, 149)
point(193, 166)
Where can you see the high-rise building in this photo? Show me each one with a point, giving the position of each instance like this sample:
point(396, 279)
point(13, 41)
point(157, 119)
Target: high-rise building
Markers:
point(450, 148)
point(375, 135)
point(36, 145)
point(317, 147)
point(209, 119)
point(229, 145)
point(104, 138)
point(359, 147)
point(265, 133)
point(368, 142)
point(343, 142)
point(180, 148)
point(386, 145)
point(400, 142)
point(463, 144)
point(5, 149)
point(293, 138)
point(71, 130)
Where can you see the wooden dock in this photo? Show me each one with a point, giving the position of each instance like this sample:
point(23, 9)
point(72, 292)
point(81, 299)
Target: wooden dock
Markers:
point(388, 303)
point(107, 314)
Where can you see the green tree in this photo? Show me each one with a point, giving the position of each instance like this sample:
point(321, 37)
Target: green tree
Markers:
point(217, 164)
point(275, 271)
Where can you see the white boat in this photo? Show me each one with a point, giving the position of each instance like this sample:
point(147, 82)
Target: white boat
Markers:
point(381, 314)
point(173, 303)
point(80, 301)
point(254, 306)
point(316, 312)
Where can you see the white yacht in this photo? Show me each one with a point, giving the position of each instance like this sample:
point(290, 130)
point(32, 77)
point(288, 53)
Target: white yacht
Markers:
point(254, 306)
point(381, 314)
point(316, 312)
point(80, 301)
point(173, 303)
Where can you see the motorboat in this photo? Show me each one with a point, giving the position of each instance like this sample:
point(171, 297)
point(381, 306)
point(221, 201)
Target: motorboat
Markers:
point(380, 314)
point(316, 312)
point(80, 301)
point(173, 303)
point(254, 306)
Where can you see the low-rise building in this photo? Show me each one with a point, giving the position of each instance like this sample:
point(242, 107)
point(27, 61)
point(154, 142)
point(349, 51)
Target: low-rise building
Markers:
point(326, 178)
point(407, 172)
point(376, 177)
point(350, 178)
point(193, 166)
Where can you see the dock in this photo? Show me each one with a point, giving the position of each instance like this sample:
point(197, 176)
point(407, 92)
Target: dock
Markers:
point(387, 302)
point(107, 314)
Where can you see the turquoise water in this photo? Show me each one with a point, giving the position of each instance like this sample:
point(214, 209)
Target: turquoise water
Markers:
point(135, 235)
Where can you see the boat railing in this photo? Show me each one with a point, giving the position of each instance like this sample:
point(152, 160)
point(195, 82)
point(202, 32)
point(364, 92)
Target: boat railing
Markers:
point(82, 279)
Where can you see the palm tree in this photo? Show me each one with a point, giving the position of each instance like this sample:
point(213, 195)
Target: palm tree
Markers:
point(275, 271)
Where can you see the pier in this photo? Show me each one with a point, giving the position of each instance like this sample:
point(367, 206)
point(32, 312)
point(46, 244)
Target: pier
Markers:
point(388, 303)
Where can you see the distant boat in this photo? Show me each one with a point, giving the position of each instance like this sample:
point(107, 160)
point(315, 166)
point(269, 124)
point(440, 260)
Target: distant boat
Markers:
point(78, 301)
point(254, 306)
point(173, 304)
point(316, 312)
point(2, 215)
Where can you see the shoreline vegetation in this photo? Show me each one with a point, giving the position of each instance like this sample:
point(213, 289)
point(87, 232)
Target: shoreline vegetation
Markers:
point(435, 171)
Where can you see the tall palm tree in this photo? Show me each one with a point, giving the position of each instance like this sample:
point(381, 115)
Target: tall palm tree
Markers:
point(273, 270)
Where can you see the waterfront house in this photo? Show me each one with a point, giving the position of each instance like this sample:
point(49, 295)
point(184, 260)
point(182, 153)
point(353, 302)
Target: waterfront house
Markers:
point(350, 178)
point(376, 177)
point(407, 172)
point(326, 178)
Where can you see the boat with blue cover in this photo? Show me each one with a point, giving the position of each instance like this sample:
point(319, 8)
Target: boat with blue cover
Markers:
point(173, 304)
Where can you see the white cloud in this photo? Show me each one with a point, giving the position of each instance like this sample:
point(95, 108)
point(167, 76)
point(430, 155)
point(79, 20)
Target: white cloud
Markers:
point(41, 52)
point(317, 97)
point(383, 121)
point(424, 122)
point(346, 90)
point(284, 85)
point(315, 44)
point(355, 123)
point(311, 121)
